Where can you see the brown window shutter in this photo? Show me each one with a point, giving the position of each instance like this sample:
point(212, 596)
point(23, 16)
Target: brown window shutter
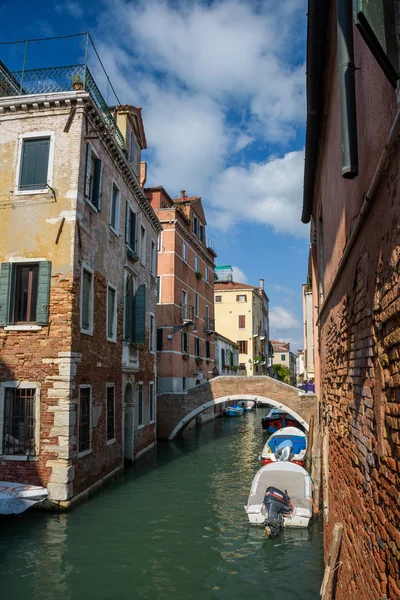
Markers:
point(242, 321)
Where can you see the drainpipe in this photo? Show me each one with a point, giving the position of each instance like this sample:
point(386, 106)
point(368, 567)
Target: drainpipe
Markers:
point(346, 69)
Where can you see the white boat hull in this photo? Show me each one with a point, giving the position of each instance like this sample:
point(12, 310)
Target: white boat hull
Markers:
point(16, 498)
point(300, 517)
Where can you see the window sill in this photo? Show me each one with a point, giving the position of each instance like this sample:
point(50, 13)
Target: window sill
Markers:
point(18, 457)
point(92, 206)
point(112, 340)
point(85, 453)
point(23, 328)
point(140, 426)
point(110, 442)
point(152, 422)
point(31, 192)
point(87, 331)
point(115, 232)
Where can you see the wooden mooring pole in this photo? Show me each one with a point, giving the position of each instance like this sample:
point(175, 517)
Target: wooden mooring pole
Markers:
point(331, 565)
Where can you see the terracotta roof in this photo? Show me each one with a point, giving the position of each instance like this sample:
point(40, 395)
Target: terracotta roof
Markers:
point(280, 346)
point(233, 285)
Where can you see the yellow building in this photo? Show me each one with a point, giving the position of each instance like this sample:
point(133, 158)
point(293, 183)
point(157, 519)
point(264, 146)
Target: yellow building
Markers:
point(241, 314)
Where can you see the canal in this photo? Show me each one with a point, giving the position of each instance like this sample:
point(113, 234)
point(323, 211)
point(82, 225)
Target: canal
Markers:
point(172, 527)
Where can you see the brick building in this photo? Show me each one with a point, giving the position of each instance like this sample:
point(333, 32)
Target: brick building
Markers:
point(351, 197)
point(185, 308)
point(77, 286)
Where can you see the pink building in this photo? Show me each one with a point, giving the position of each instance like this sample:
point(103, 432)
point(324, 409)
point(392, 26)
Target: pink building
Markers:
point(185, 303)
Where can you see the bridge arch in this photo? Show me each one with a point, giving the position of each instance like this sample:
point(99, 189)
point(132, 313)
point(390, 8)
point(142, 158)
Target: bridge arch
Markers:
point(183, 423)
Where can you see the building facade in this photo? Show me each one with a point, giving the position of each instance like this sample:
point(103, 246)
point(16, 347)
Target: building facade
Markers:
point(226, 356)
point(77, 291)
point(300, 369)
point(285, 357)
point(185, 302)
point(308, 332)
point(241, 314)
point(351, 198)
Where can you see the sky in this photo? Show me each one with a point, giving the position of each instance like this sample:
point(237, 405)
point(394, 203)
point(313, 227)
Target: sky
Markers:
point(222, 88)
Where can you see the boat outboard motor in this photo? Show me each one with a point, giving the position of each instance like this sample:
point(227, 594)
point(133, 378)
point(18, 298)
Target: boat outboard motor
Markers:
point(284, 452)
point(277, 504)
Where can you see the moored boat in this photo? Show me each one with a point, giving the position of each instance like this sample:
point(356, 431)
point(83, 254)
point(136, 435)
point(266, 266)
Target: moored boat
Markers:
point(276, 419)
point(233, 411)
point(280, 496)
point(15, 498)
point(247, 405)
point(298, 440)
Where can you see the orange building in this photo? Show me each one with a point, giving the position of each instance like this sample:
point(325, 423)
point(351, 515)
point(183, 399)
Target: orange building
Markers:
point(185, 303)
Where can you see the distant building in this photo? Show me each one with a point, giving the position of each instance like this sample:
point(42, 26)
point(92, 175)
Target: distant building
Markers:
point(185, 293)
point(308, 331)
point(283, 356)
point(241, 314)
point(300, 370)
point(226, 356)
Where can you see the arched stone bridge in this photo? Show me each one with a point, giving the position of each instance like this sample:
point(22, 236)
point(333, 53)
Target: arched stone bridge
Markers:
point(176, 411)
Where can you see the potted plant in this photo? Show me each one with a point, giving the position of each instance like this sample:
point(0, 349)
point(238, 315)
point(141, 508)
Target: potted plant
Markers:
point(185, 356)
point(199, 275)
point(140, 346)
point(199, 360)
point(131, 254)
point(77, 82)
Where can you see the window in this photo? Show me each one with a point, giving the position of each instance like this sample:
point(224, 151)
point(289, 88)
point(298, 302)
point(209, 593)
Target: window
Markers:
point(184, 298)
point(283, 357)
point(114, 208)
point(153, 258)
point(206, 274)
point(142, 244)
point(242, 346)
point(93, 177)
point(160, 343)
point(140, 405)
point(208, 349)
point(195, 225)
point(201, 233)
point(152, 402)
point(159, 242)
point(184, 342)
point(242, 322)
point(130, 228)
point(197, 346)
point(151, 333)
point(84, 429)
point(87, 300)
point(196, 304)
point(241, 298)
point(196, 263)
point(158, 290)
point(184, 251)
point(184, 384)
point(19, 411)
point(111, 313)
point(242, 366)
point(34, 173)
point(110, 425)
point(218, 298)
point(24, 293)
point(134, 154)
point(223, 363)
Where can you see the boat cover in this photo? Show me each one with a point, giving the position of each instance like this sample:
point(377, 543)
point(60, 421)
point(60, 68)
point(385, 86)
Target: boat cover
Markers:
point(295, 435)
point(285, 476)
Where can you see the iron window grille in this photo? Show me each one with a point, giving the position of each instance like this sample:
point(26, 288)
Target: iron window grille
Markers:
point(84, 419)
point(19, 422)
point(110, 413)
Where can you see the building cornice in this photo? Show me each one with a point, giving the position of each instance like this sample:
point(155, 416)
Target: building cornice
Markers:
point(192, 240)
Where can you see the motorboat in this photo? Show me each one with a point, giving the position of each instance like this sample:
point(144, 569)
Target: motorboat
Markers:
point(15, 498)
point(247, 405)
point(280, 496)
point(233, 411)
point(272, 450)
point(276, 419)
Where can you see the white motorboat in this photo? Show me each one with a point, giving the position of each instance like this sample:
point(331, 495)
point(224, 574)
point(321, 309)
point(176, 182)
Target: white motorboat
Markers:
point(247, 405)
point(292, 434)
point(284, 478)
point(15, 498)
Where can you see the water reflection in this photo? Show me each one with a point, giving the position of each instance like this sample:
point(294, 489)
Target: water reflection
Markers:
point(173, 527)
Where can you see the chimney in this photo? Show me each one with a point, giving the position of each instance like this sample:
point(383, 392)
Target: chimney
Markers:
point(183, 195)
point(143, 173)
point(261, 284)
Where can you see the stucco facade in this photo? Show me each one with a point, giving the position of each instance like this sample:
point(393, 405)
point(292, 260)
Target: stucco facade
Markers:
point(185, 303)
point(69, 350)
point(226, 356)
point(308, 332)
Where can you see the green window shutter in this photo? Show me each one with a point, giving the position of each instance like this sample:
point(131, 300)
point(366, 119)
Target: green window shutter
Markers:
point(129, 306)
point(43, 296)
point(375, 20)
point(87, 169)
point(5, 279)
point(97, 184)
point(140, 314)
point(132, 225)
point(126, 222)
point(34, 164)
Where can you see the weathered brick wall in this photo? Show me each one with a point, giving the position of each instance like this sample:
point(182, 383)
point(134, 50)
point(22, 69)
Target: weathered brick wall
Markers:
point(171, 408)
point(360, 386)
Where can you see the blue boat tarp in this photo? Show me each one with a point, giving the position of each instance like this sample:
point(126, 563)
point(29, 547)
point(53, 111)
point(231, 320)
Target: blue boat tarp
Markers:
point(299, 443)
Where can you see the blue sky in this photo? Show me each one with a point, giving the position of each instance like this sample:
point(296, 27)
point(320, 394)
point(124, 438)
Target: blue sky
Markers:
point(222, 87)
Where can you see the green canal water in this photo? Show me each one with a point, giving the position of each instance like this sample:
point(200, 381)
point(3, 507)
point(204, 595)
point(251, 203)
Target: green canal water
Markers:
point(172, 527)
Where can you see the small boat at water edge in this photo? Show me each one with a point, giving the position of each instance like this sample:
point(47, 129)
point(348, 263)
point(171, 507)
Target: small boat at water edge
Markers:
point(15, 498)
point(247, 405)
point(276, 419)
point(295, 436)
point(280, 496)
point(233, 411)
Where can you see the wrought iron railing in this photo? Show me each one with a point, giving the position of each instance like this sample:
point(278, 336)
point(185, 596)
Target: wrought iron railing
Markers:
point(210, 325)
point(187, 313)
point(58, 79)
point(210, 246)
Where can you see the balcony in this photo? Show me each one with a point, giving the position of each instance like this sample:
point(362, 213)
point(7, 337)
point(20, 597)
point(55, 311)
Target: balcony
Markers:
point(210, 325)
point(210, 246)
point(187, 314)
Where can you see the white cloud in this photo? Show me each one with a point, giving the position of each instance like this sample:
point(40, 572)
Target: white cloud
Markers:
point(72, 8)
point(239, 275)
point(282, 319)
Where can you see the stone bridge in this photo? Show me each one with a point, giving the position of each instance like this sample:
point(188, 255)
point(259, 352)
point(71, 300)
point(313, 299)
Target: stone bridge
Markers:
point(176, 411)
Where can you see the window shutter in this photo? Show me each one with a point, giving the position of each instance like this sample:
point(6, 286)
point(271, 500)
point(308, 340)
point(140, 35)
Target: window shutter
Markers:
point(97, 184)
point(242, 321)
point(376, 22)
point(43, 296)
point(126, 222)
point(159, 339)
point(223, 358)
point(87, 169)
point(5, 278)
point(129, 300)
point(133, 238)
point(140, 314)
